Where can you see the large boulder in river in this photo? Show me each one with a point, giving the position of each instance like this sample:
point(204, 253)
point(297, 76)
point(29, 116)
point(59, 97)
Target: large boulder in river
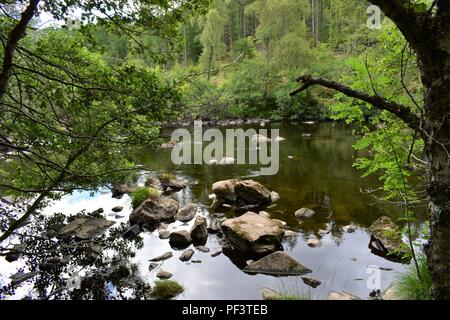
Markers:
point(154, 210)
point(253, 233)
point(85, 227)
point(277, 264)
point(247, 192)
point(252, 192)
point(225, 190)
point(386, 241)
point(180, 239)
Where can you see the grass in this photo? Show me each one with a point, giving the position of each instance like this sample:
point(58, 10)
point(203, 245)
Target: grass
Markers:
point(166, 289)
point(141, 194)
point(409, 287)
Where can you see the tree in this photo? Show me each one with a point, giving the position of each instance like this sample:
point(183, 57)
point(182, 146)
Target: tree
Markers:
point(427, 30)
point(71, 120)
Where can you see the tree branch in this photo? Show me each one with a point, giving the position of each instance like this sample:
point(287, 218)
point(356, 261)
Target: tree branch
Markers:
point(13, 39)
point(378, 102)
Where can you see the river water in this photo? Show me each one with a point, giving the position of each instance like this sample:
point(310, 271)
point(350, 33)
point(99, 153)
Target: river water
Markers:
point(315, 172)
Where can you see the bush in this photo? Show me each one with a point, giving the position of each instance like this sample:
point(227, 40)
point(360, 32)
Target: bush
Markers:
point(166, 289)
point(409, 287)
point(141, 194)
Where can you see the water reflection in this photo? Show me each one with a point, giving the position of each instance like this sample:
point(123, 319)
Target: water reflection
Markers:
point(315, 172)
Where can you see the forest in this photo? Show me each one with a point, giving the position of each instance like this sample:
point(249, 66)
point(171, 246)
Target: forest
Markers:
point(357, 91)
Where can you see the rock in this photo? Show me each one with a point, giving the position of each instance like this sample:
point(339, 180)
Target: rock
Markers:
point(269, 294)
point(99, 210)
point(187, 213)
point(162, 257)
point(164, 275)
point(249, 262)
point(196, 261)
point(119, 191)
point(313, 243)
point(304, 213)
point(154, 210)
point(20, 277)
point(264, 214)
point(199, 231)
point(187, 255)
point(85, 227)
point(153, 266)
point(253, 233)
point(180, 238)
point(323, 232)
point(311, 282)
point(119, 216)
point(224, 190)
point(216, 253)
point(281, 222)
point(164, 234)
point(277, 264)
point(289, 234)
point(132, 231)
point(386, 240)
point(117, 209)
point(171, 183)
point(350, 228)
point(252, 192)
point(342, 295)
point(274, 196)
point(202, 249)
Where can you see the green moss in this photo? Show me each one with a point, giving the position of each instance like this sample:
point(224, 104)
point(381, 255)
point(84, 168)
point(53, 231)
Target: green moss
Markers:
point(141, 194)
point(166, 289)
point(409, 287)
point(167, 177)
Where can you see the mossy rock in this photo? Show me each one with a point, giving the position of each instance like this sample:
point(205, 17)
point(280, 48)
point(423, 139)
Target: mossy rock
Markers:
point(166, 289)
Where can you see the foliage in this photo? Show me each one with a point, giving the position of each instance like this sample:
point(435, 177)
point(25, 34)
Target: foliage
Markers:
point(139, 195)
point(408, 286)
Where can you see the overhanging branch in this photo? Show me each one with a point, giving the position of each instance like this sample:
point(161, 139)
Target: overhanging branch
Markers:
point(379, 102)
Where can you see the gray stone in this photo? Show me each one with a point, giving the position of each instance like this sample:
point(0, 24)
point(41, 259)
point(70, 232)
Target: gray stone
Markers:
point(153, 266)
point(313, 243)
point(86, 227)
point(187, 213)
point(216, 253)
point(180, 238)
point(311, 282)
point(187, 255)
point(164, 275)
point(304, 213)
point(117, 209)
point(254, 233)
point(274, 196)
point(199, 231)
point(162, 257)
point(202, 249)
point(277, 264)
point(154, 210)
point(252, 192)
point(164, 234)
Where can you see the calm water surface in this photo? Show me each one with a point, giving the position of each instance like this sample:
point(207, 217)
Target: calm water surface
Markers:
point(315, 172)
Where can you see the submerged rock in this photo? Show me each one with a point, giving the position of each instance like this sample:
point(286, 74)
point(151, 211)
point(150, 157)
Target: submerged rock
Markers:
point(187, 213)
point(277, 264)
point(85, 227)
point(386, 241)
point(342, 295)
point(162, 257)
point(304, 213)
point(154, 210)
point(269, 294)
point(253, 233)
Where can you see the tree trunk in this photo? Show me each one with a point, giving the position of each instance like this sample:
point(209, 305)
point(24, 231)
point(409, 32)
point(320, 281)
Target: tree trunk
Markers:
point(436, 79)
